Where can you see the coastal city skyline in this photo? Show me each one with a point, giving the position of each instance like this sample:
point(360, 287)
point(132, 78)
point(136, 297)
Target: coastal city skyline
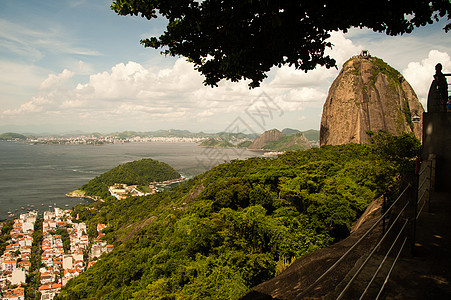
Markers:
point(79, 66)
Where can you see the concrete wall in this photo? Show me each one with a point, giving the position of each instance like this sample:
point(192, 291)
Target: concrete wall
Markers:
point(437, 140)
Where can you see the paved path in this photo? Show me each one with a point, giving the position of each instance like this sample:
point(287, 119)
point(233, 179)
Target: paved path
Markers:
point(425, 272)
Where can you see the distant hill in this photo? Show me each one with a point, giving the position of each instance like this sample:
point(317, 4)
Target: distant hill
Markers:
point(295, 141)
point(227, 136)
point(236, 135)
point(265, 139)
point(289, 131)
point(140, 172)
point(275, 140)
point(311, 135)
point(173, 132)
point(214, 142)
point(8, 136)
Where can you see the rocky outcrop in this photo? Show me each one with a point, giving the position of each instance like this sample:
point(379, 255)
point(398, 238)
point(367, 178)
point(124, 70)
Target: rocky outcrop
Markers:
point(277, 141)
point(264, 139)
point(367, 95)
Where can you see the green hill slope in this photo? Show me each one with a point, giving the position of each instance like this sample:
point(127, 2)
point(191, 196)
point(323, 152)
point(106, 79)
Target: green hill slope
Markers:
point(233, 227)
point(214, 142)
point(7, 136)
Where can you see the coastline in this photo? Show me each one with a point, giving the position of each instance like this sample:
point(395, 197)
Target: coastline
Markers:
point(82, 194)
point(170, 181)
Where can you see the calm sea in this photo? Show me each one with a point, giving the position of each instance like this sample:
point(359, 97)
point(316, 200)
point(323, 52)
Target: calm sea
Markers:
point(38, 176)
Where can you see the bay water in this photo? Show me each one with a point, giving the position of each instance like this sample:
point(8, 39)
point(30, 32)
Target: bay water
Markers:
point(37, 177)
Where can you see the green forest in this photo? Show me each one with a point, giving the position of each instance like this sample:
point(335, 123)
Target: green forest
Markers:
point(140, 172)
point(233, 227)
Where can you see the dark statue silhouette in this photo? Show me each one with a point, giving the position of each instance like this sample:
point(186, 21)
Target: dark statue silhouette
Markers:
point(438, 92)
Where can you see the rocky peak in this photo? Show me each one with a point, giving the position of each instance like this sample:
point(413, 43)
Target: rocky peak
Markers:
point(264, 139)
point(368, 94)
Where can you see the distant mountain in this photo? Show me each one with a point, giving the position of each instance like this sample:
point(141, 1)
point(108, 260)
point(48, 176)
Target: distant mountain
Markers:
point(265, 138)
point(173, 133)
point(236, 135)
point(311, 135)
point(222, 139)
point(289, 131)
point(275, 140)
point(11, 136)
point(295, 141)
point(214, 142)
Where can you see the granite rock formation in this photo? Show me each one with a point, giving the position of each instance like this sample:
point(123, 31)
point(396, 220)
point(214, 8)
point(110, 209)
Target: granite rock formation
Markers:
point(368, 94)
point(265, 138)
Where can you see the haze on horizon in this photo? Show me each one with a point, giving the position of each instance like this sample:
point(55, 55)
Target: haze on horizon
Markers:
point(67, 66)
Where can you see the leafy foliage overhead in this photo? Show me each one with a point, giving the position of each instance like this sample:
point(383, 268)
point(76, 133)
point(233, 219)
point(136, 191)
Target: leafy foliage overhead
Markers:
point(243, 39)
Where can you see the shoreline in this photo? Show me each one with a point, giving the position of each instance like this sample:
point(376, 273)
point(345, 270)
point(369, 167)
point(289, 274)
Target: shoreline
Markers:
point(82, 194)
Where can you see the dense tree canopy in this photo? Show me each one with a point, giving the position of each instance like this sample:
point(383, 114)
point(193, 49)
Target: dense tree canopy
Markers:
point(243, 39)
point(233, 227)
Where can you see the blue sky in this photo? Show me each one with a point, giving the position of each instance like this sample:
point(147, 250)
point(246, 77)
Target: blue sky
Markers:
point(76, 65)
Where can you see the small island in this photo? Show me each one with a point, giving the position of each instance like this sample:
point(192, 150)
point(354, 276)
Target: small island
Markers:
point(136, 178)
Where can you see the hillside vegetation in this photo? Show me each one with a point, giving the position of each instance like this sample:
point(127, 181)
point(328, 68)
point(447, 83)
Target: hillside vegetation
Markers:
point(140, 172)
point(235, 226)
point(8, 136)
point(213, 142)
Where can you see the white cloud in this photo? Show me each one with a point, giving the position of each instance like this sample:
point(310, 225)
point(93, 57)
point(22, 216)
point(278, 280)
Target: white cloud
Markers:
point(420, 74)
point(53, 80)
point(129, 93)
point(35, 105)
point(20, 74)
point(341, 51)
point(343, 48)
point(83, 68)
point(290, 77)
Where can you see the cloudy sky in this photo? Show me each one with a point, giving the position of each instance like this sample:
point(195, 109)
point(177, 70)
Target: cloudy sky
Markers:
point(76, 65)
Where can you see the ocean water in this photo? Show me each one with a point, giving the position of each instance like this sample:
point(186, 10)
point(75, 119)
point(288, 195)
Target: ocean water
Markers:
point(38, 176)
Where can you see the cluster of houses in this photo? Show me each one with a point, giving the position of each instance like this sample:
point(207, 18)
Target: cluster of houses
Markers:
point(122, 191)
point(15, 260)
point(58, 265)
point(110, 139)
